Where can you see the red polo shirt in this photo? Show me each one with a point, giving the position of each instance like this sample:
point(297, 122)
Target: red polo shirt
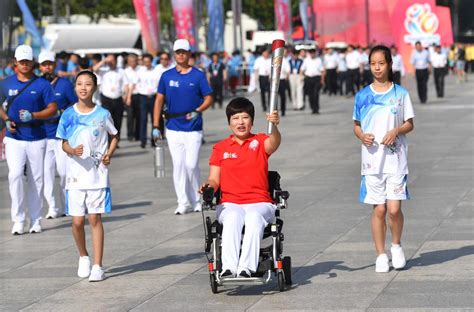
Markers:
point(244, 169)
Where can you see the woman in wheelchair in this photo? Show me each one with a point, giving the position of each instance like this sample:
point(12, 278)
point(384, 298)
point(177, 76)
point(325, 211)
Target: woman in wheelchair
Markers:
point(239, 167)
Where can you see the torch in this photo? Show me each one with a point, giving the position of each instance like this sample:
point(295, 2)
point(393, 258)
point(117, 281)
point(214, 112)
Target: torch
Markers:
point(278, 47)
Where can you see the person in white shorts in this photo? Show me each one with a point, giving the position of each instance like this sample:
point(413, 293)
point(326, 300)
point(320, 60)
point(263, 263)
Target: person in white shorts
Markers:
point(85, 129)
point(383, 115)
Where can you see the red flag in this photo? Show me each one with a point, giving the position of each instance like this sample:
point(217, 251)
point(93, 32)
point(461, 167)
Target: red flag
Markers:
point(147, 15)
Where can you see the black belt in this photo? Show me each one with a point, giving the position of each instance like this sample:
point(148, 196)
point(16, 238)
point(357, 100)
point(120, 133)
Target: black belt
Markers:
point(174, 115)
point(28, 125)
point(51, 122)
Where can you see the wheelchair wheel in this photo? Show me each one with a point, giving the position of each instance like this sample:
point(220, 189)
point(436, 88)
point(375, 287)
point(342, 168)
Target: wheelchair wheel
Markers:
point(281, 281)
point(287, 270)
point(213, 283)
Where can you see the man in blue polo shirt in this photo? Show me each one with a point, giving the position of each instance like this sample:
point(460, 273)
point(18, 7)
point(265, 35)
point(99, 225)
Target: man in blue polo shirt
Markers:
point(55, 158)
point(187, 94)
point(30, 101)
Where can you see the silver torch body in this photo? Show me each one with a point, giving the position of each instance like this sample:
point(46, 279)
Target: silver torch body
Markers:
point(278, 52)
point(159, 159)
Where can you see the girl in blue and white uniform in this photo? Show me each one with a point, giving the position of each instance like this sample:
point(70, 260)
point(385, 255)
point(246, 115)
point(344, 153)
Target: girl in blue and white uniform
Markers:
point(383, 115)
point(85, 129)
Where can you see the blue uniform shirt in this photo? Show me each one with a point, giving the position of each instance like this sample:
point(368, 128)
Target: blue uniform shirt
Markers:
point(65, 97)
point(184, 93)
point(34, 99)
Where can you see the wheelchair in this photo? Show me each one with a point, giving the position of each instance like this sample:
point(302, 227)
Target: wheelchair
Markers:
point(271, 260)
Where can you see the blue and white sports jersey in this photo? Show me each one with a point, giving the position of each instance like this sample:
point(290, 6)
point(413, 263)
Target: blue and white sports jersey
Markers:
point(65, 97)
point(184, 93)
point(34, 99)
point(91, 130)
point(378, 113)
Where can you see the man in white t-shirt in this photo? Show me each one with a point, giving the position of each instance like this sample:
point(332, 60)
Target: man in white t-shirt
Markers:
point(147, 87)
point(398, 68)
point(438, 61)
point(132, 101)
point(112, 91)
point(353, 69)
point(330, 64)
point(314, 74)
point(262, 69)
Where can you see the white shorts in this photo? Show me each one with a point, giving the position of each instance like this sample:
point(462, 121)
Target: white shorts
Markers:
point(94, 201)
point(376, 189)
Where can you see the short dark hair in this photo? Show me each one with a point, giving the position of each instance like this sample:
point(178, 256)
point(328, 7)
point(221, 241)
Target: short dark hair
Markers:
point(147, 55)
point(239, 105)
point(88, 73)
point(84, 62)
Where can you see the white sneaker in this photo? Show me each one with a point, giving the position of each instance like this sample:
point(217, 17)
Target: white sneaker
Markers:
point(84, 269)
point(381, 264)
point(197, 207)
point(97, 274)
point(36, 228)
point(398, 257)
point(181, 210)
point(52, 215)
point(17, 228)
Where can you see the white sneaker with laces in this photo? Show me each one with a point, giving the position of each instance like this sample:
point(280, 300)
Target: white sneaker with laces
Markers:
point(381, 264)
point(36, 228)
point(17, 228)
point(97, 274)
point(84, 269)
point(398, 257)
point(197, 207)
point(181, 210)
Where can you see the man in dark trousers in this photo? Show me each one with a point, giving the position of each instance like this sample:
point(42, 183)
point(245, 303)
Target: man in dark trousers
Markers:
point(420, 59)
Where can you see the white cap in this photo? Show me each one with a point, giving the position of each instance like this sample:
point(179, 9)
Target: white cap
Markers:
point(181, 44)
point(24, 52)
point(46, 56)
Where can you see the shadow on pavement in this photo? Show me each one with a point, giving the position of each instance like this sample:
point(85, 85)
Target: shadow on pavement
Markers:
point(153, 264)
point(439, 256)
point(323, 268)
point(105, 219)
point(131, 205)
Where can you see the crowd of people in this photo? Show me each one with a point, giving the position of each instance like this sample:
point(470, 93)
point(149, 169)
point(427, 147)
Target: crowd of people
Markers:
point(69, 114)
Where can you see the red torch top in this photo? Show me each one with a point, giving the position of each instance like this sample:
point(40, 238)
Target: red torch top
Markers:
point(278, 43)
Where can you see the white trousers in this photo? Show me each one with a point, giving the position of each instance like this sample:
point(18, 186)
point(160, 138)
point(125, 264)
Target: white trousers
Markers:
point(30, 154)
point(55, 159)
point(296, 86)
point(184, 149)
point(233, 217)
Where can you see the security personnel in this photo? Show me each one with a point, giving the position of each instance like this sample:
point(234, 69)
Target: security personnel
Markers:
point(296, 83)
point(55, 158)
point(30, 100)
point(188, 94)
point(314, 77)
point(262, 69)
point(438, 61)
point(420, 59)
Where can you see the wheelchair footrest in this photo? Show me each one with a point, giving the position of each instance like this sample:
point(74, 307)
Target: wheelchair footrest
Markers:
point(243, 281)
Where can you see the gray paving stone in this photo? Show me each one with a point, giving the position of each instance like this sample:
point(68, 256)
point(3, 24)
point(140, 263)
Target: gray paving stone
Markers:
point(154, 260)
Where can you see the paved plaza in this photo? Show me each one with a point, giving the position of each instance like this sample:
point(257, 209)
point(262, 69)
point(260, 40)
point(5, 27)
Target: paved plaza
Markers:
point(155, 260)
